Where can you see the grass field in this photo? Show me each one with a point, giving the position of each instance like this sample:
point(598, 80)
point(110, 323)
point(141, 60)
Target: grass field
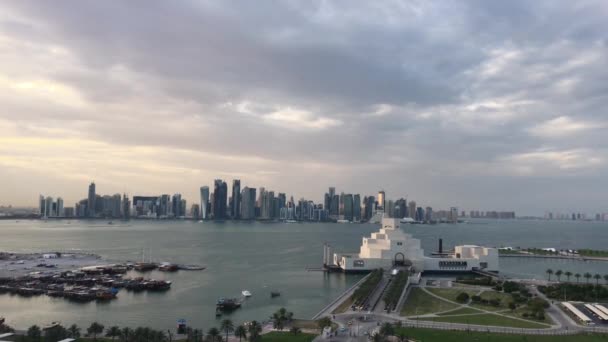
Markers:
point(419, 303)
point(431, 335)
point(505, 298)
point(450, 294)
point(461, 311)
point(287, 337)
point(488, 319)
point(519, 311)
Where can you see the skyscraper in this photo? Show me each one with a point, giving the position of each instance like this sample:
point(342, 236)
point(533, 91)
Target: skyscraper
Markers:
point(247, 203)
point(60, 211)
point(347, 201)
point(126, 207)
point(382, 199)
point(176, 202)
point(91, 205)
point(49, 207)
point(235, 207)
point(204, 202)
point(411, 212)
point(42, 206)
point(356, 207)
point(220, 199)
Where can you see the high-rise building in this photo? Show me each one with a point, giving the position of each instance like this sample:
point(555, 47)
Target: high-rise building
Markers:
point(205, 202)
point(195, 211)
point(248, 203)
point(235, 205)
point(60, 210)
point(220, 199)
point(334, 210)
point(381, 199)
point(356, 207)
point(411, 212)
point(165, 208)
point(368, 211)
point(49, 207)
point(428, 214)
point(126, 207)
point(419, 214)
point(42, 206)
point(176, 202)
point(347, 202)
point(389, 209)
point(91, 205)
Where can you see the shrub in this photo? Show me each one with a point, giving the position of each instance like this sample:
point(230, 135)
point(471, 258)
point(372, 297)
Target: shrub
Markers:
point(462, 297)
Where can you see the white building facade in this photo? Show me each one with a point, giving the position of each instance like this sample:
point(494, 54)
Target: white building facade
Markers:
point(391, 246)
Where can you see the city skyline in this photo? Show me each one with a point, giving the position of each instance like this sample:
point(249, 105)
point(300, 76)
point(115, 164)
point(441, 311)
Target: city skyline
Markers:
point(488, 105)
point(359, 198)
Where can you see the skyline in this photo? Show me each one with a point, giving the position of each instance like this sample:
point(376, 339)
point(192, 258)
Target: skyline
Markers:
point(480, 105)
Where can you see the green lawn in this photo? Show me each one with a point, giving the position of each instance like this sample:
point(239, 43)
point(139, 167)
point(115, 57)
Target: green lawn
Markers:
point(431, 335)
point(505, 298)
point(419, 303)
point(287, 337)
point(488, 319)
point(450, 294)
point(520, 310)
point(461, 311)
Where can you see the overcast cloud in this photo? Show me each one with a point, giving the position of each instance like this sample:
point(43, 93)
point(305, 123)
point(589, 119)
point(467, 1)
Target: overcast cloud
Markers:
point(477, 104)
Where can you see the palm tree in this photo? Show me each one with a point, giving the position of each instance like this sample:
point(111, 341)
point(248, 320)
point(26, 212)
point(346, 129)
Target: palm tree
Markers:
point(387, 330)
point(549, 273)
point(277, 323)
point(113, 332)
point(558, 274)
point(597, 278)
point(240, 332)
point(587, 276)
point(213, 333)
point(378, 338)
point(74, 331)
point(125, 334)
point(158, 336)
point(568, 274)
point(578, 277)
point(95, 329)
point(227, 327)
point(254, 330)
point(295, 330)
point(34, 333)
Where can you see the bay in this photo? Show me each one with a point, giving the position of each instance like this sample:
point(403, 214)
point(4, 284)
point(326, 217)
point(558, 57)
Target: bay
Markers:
point(259, 257)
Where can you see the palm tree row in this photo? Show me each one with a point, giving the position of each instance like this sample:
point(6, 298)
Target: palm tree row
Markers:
point(142, 334)
point(569, 274)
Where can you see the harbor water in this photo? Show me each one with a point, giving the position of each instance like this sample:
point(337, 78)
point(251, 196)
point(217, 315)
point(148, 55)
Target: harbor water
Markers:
point(254, 256)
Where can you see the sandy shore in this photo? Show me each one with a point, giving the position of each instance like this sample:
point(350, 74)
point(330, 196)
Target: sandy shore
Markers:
point(21, 264)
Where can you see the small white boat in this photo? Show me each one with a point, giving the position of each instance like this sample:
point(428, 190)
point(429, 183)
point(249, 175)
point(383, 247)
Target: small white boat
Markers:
point(246, 293)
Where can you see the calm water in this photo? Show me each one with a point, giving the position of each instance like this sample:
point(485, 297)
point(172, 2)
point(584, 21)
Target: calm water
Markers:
point(254, 256)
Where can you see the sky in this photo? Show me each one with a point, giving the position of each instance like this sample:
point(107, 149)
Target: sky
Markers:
point(489, 105)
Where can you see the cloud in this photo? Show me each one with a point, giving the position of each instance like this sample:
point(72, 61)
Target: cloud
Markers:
point(425, 99)
point(563, 126)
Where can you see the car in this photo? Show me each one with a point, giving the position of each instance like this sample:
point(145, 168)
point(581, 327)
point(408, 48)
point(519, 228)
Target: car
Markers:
point(343, 329)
